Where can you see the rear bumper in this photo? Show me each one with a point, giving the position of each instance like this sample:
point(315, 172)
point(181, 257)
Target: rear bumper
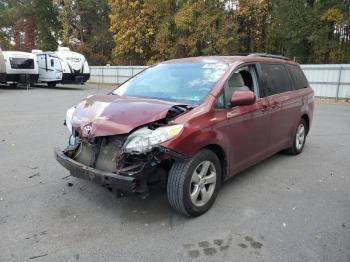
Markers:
point(19, 78)
point(109, 180)
point(78, 78)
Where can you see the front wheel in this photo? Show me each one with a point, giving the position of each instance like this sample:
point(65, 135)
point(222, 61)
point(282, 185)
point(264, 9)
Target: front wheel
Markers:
point(299, 139)
point(193, 184)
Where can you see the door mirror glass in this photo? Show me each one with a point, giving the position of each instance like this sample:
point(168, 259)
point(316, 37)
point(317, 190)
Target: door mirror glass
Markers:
point(242, 98)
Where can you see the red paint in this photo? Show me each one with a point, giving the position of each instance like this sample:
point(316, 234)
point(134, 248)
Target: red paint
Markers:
point(247, 133)
point(242, 98)
point(115, 115)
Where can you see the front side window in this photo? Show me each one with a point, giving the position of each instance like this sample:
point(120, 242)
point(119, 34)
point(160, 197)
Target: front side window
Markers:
point(183, 83)
point(276, 79)
point(243, 78)
point(298, 77)
point(21, 63)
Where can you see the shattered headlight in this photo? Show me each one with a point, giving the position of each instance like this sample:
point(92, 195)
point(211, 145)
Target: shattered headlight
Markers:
point(144, 139)
point(69, 116)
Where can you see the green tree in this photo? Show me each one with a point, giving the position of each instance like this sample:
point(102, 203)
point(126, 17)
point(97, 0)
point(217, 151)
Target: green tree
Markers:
point(163, 23)
point(132, 30)
point(253, 18)
point(311, 31)
point(84, 28)
point(29, 24)
point(205, 28)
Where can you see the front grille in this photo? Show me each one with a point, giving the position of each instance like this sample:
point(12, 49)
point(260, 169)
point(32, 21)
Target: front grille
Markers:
point(101, 153)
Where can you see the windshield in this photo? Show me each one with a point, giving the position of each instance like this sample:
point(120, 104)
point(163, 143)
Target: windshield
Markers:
point(183, 83)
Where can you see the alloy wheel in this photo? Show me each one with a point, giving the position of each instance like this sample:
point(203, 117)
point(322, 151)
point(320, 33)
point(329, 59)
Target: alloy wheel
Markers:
point(203, 182)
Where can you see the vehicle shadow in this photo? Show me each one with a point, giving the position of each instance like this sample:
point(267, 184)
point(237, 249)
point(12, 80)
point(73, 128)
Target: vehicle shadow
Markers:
point(251, 172)
point(61, 87)
point(9, 87)
point(153, 209)
point(23, 87)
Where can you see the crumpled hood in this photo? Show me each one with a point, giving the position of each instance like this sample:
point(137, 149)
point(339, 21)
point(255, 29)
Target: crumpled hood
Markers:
point(115, 115)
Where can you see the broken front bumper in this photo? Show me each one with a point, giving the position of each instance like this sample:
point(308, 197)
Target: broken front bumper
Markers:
point(109, 180)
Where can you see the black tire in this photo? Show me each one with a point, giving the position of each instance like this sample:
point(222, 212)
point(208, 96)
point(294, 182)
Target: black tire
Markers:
point(179, 183)
point(51, 84)
point(296, 149)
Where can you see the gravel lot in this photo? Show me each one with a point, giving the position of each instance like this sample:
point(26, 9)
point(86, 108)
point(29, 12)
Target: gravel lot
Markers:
point(283, 209)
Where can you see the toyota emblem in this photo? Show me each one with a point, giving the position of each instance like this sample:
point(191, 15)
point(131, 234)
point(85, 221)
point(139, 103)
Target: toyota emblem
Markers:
point(87, 129)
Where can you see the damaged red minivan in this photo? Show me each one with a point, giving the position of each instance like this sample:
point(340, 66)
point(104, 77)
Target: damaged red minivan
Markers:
point(189, 124)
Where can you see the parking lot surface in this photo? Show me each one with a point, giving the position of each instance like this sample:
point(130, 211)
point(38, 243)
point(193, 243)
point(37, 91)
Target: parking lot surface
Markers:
point(283, 209)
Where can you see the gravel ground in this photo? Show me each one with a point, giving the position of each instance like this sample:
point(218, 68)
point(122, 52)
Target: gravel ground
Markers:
point(283, 209)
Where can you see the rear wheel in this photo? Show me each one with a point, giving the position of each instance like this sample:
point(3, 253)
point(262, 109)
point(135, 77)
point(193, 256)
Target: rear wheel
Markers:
point(193, 184)
point(299, 139)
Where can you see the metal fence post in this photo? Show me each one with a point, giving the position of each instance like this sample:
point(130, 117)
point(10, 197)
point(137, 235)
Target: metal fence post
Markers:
point(102, 74)
point(339, 81)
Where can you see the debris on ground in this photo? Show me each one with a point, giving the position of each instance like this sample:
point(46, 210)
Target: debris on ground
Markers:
point(70, 184)
point(284, 224)
point(36, 174)
point(43, 255)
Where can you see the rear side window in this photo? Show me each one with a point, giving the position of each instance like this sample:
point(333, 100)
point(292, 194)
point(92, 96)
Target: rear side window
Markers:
point(276, 79)
point(298, 77)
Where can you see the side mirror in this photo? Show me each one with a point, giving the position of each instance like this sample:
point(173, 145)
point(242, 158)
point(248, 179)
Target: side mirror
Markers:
point(242, 98)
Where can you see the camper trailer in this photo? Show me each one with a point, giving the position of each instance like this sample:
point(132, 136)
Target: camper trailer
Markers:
point(50, 68)
point(18, 67)
point(2, 67)
point(74, 65)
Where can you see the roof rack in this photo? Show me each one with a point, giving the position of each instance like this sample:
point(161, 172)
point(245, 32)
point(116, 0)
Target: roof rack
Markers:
point(268, 56)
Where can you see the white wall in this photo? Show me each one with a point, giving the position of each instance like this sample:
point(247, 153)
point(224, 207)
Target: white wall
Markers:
point(331, 81)
point(113, 74)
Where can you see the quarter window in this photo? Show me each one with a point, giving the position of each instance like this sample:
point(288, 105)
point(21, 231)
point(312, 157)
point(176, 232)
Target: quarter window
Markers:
point(276, 79)
point(220, 101)
point(298, 77)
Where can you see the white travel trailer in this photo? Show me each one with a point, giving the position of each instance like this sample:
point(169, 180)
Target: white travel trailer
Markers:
point(2, 65)
point(50, 68)
point(75, 67)
point(18, 67)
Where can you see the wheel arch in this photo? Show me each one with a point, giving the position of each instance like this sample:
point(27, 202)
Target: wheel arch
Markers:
point(307, 120)
point(221, 154)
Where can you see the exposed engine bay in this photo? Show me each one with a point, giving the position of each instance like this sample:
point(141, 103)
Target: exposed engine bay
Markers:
point(130, 155)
